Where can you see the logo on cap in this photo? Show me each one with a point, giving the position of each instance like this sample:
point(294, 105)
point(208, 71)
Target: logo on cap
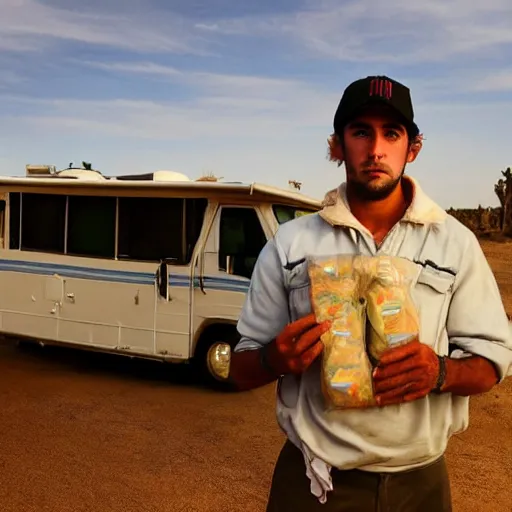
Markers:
point(381, 87)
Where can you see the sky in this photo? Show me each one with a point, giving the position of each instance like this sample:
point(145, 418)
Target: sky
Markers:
point(248, 90)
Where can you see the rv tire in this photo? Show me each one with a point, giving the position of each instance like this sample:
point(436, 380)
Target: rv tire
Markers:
point(214, 335)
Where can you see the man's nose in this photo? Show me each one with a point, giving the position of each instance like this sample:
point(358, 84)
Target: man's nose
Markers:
point(377, 150)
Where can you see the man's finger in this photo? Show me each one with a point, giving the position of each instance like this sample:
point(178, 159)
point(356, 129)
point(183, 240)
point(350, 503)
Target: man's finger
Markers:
point(393, 355)
point(299, 363)
point(297, 328)
point(309, 338)
point(393, 369)
point(396, 395)
point(398, 381)
point(312, 353)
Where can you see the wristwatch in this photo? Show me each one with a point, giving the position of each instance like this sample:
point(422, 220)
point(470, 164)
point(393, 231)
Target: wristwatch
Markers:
point(442, 374)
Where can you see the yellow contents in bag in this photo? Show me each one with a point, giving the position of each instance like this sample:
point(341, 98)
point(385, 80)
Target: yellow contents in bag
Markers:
point(392, 316)
point(367, 300)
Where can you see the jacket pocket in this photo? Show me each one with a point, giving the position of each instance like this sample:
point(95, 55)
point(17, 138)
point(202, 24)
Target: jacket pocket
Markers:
point(432, 294)
point(299, 287)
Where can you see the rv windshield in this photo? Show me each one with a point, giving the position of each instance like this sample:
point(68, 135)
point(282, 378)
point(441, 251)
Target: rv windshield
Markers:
point(284, 213)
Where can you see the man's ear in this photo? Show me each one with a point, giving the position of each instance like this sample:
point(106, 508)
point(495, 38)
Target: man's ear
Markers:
point(335, 152)
point(414, 149)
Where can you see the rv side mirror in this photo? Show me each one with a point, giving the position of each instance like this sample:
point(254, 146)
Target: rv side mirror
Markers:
point(162, 279)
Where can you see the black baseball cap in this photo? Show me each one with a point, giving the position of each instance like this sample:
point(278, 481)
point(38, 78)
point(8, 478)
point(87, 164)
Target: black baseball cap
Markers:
point(376, 90)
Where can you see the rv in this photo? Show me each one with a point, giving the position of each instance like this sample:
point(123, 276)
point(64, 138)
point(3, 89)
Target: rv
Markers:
point(153, 265)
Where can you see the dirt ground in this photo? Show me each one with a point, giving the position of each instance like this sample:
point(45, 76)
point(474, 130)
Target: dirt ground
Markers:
point(88, 432)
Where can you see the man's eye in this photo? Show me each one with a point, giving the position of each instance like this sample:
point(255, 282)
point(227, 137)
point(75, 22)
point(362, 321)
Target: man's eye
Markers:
point(392, 134)
point(360, 133)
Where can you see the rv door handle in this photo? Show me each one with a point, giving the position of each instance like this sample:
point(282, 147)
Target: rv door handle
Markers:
point(71, 296)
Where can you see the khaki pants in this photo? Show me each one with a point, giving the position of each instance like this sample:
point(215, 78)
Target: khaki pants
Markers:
point(421, 490)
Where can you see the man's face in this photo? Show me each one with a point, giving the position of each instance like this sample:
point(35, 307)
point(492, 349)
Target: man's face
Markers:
point(376, 150)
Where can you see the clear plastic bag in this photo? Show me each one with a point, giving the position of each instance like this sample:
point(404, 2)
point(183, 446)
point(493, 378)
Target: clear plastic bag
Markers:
point(368, 301)
point(392, 317)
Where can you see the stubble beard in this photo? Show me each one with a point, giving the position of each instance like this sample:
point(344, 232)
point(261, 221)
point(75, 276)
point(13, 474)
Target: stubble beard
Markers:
point(368, 191)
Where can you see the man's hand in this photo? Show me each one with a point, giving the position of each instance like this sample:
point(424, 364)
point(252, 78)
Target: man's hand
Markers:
point(405, 373)
point(297, 346)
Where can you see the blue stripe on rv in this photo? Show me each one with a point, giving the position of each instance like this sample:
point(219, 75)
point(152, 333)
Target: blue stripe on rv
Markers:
point(120, 276)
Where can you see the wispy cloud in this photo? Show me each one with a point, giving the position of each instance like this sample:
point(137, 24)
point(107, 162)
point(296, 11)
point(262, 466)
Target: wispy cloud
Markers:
point(244, 92)
point(272, 91)
point(466, 87)
point(16, 43)
point(32, 25)
point(222, 106)
point(499, 81)
point(396, 31)
point(199, 78)
point(10, 78)
point(144, 68)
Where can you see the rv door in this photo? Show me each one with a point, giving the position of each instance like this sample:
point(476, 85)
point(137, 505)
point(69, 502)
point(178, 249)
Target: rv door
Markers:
point(207, 252)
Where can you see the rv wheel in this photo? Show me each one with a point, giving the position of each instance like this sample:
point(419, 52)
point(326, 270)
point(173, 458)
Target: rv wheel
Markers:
point(212, 359)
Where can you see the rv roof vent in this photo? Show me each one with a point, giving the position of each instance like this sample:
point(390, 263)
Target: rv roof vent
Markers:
point(167, 176)
point(40, 170)
point(82, 174)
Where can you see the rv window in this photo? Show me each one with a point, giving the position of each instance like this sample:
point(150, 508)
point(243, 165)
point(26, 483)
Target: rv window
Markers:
point(14, 220)
point(42, 222)
point(2, 222)
point(285, 213)
point(92, 226)
point(241, 240)
point(150, 229)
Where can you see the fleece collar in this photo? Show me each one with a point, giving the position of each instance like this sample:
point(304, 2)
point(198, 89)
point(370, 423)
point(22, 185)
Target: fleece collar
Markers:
point(422, 210)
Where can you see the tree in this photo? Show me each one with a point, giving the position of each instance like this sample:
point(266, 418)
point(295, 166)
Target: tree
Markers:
point(503, 189)
point(499, 189)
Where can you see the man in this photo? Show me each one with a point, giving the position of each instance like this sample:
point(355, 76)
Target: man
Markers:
point(388, 457)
